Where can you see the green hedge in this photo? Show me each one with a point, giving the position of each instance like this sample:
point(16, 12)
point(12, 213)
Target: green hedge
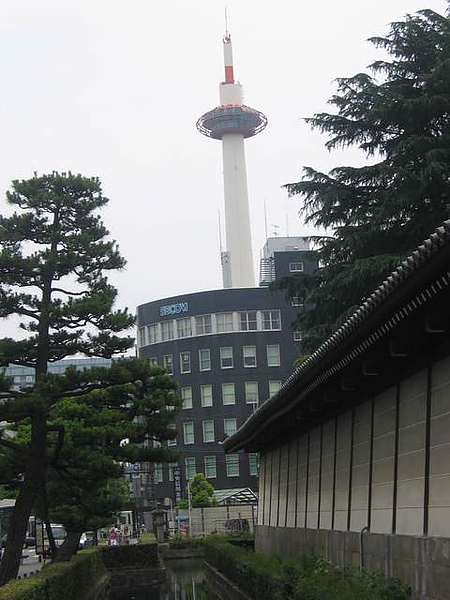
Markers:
point(135, 555)
point(304, 577)
point(69, 580)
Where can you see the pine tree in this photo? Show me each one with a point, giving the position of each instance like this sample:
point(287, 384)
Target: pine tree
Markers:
point(398, 115)
point(54, 254)
point(103, 431)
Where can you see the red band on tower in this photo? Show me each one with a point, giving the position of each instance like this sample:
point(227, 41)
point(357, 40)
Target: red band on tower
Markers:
point(229, 75)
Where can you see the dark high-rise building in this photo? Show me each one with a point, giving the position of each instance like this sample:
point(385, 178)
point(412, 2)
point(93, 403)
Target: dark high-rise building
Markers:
point(230, 350)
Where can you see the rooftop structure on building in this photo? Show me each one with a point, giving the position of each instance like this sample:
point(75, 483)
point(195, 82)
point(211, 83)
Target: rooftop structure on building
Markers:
point(281, 257)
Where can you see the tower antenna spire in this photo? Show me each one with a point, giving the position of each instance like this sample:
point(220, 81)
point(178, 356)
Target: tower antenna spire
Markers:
point(226, 22)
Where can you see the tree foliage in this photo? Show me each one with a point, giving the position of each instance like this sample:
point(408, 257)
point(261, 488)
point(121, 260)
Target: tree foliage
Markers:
point(398, 115)
point(54, 257)
point(202, 492)
point(103, 431)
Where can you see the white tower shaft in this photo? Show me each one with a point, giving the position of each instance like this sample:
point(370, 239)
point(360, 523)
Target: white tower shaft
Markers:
point(237, 215)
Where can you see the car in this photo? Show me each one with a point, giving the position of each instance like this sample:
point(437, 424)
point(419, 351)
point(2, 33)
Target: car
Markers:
point(29, 541)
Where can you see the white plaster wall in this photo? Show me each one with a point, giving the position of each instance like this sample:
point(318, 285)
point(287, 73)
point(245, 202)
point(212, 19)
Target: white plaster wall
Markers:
point(301, 480)
point(361, 467)
point(292, 485)
point(343, 449)
point(283, 496)
point(264, 489)
point(411, 454)
point(383, 462)
point(326, 486)
point(312, 517)
point(439, 502)
point(275, 470)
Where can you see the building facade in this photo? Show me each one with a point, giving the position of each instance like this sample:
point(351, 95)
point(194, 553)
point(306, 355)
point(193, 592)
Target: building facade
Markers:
point(25, 376)
point(230, 350)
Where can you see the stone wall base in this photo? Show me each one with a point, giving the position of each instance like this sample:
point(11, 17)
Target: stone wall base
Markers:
point(419, 561)
point(221, 586)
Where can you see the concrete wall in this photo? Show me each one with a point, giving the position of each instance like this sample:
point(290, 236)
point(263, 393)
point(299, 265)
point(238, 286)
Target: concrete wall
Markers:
point(419, 561)
point(384, 465)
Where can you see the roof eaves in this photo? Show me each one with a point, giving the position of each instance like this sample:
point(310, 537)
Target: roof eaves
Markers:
point(280, 402)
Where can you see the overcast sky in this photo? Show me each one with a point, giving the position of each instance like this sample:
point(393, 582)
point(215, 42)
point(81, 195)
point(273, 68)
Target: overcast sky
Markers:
point(114, 89)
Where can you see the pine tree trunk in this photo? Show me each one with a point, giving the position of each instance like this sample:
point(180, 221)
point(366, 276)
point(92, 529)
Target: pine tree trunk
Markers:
point(29, 490)
point(69, 547)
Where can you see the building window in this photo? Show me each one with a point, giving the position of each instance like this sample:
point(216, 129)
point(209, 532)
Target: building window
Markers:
point(271, 320)
point(248, 321)
point(142, 337)
point(204, 359)
point(168, 363)
point(166, 331)
point(229, 426)
point(232, 464)
point(224, 322)
point(184, 328)
point(203, 325)
point(295, 267)
point(185, 362)
point(173, 442)
point(158, 472)
point(186, 396)
point(190, 467)
point(297, 301)
point(274, 386)
point(226, 358)
point(249, 354)
point(206, 395)
point(228, 395)
point(188, 432)
point(208, 431)
point(251, 392)
point(153, 336)
point(297, 336)
point(253, 463)
point(210, 467)
point(153, 360)
point(273, 355)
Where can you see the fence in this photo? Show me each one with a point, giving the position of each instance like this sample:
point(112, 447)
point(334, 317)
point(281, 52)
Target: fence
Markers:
point(204, 521)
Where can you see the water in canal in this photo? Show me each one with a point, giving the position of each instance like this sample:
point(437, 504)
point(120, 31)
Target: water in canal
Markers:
point(185, 581)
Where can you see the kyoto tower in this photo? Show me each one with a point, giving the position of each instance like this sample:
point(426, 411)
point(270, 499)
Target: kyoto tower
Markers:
point(232, 122)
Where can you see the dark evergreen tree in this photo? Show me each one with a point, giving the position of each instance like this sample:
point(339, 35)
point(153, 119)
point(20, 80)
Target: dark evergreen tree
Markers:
point(399, 116)
point(54, 254)
point(103, 431)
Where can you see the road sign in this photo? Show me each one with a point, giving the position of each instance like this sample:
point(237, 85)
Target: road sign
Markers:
point(39, 536)
point(177, 483)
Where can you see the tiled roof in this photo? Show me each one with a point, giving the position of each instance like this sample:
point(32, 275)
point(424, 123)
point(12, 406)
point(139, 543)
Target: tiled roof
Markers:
point(398, 296)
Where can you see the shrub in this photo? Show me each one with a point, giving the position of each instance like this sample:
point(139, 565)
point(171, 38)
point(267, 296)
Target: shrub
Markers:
point(69, 580)
point(180, 542)
point(304, 577)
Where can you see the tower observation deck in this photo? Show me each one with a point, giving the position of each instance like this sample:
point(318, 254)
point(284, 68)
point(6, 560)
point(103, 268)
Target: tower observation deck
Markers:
point(232, 122)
